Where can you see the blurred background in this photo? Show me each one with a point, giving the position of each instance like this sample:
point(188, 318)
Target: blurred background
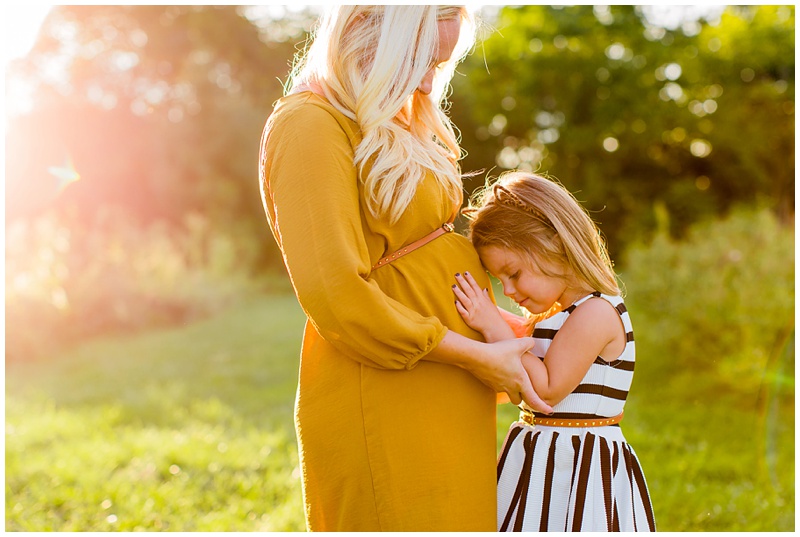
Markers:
point(152, 338)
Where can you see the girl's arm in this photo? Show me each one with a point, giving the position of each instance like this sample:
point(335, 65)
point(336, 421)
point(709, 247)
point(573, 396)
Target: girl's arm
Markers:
point(510, 326)
point(519, 324)
point(593, 329)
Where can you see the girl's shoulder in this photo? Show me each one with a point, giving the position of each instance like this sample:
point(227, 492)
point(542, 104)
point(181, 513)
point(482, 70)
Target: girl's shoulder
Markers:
point(606, 313)
point(612, 299)
point(598, 299)
point(592, 306)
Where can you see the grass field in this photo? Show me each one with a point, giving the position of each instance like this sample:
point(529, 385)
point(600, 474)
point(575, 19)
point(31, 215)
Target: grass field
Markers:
point(190, 429)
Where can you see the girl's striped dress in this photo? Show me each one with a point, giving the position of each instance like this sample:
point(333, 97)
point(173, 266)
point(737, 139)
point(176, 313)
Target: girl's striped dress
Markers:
point(576, 478)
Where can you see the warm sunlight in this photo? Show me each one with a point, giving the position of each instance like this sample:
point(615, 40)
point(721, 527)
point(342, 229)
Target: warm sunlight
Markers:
point(21, 23)
point(194, 341)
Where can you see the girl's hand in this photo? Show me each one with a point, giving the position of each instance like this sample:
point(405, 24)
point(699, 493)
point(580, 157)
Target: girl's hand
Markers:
point(478, 310)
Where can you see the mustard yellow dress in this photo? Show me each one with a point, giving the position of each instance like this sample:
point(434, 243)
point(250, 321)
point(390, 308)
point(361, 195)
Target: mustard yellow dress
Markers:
point(387, 440)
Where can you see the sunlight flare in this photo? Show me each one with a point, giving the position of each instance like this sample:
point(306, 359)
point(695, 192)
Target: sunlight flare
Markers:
point(66, 174)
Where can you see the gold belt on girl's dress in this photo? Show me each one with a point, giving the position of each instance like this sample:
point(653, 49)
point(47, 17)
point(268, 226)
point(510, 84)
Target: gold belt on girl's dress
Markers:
point(531, 419)
point(447, 227)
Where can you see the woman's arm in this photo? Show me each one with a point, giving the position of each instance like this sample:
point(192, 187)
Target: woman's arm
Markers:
point(310, 193)
point(498, 365)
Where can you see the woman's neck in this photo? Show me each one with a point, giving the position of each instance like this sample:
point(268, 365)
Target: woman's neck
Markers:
point(313, 87)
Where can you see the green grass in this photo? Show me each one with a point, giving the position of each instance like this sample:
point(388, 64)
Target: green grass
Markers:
point(190, 429)
point(187, 429)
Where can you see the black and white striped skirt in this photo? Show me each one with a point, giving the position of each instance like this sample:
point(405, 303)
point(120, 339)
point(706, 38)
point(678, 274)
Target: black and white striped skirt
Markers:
point(570, 479)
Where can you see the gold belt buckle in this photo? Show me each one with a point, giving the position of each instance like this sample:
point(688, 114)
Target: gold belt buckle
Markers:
point(528, 418)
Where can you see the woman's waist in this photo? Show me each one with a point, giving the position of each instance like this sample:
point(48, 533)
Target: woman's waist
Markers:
point(431, 269)
point(423, 279)
point(442, 256)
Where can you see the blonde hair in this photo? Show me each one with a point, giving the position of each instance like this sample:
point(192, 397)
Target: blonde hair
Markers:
point(368, 61)
point(537, 217)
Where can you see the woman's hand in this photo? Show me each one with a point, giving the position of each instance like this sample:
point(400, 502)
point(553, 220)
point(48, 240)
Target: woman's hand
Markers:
point(478, 310)
point(499, 366)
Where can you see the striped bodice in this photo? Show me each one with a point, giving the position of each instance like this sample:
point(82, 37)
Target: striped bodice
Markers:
point(603, 390)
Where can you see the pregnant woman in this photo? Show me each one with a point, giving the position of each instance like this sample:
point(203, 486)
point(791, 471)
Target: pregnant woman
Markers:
point(395, 408)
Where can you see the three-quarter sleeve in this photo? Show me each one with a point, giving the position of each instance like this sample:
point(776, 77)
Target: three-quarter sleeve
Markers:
point(310, 192)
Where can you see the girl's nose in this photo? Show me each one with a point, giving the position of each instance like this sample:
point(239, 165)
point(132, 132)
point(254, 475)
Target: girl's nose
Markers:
point(508, 290)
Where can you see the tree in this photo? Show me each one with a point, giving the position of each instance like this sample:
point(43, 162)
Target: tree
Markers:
point(157, 109)
point(636, 119)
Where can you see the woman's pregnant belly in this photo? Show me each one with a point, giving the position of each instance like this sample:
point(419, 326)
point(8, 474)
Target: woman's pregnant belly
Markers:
point(423, 279)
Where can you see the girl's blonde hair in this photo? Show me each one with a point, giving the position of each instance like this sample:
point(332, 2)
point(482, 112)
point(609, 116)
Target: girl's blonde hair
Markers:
point(538, 218)
point(368, 61)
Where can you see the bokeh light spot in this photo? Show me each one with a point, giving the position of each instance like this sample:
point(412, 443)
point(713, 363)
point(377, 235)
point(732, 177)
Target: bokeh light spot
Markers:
point(610, 144)
point(672, 71)
point(702, 182)
point(700, 148)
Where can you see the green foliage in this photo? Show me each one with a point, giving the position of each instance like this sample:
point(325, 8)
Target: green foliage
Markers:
point(627, 114)
point(722, 300)
point(714, 321)
point(157, 109)
point(160, 109)
point(187, 429)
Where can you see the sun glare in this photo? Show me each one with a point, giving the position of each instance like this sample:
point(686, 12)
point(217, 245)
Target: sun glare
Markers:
point(20, 23)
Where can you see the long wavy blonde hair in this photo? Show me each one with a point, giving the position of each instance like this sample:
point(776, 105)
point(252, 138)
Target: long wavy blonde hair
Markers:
point(368, 62)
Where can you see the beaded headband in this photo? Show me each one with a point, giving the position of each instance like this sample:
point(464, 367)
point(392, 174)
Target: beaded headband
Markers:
point(506, 197)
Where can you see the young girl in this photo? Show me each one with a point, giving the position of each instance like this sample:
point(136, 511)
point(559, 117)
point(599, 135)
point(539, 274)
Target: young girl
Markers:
point(571, 470)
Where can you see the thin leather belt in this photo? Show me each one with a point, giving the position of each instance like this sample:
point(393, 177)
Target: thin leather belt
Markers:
point(447, 227)
point(530, 419)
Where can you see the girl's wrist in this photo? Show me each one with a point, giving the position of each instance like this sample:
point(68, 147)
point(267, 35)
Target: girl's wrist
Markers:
point(498, 332)
point(490, 335)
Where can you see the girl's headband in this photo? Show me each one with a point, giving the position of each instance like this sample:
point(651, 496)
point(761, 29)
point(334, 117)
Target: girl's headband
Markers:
point(506, 197)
